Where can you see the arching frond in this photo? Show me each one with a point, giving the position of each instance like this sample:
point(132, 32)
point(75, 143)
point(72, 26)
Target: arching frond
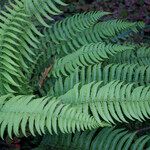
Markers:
point(85, 56)
point(69, 37)
point(129, 73)
point(92, 82)
point(61, 35)
point(18, 42)
point(40, 114)
point(111, 28)
point(105, 31)
point(14, 41)
point(68, 28)
point(112, 102)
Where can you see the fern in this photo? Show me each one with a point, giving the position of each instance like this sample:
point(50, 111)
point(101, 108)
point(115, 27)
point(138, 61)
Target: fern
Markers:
point(72, 75)
point(73, 36)
point(106, 138)
point(100, 30)
point(11, 56)
point(140, 56)
point(15, 50)
point(110, 102)
point(139, 75)
point(41, 114)
point(61, 35)
point(48, 7)
point(88, 54)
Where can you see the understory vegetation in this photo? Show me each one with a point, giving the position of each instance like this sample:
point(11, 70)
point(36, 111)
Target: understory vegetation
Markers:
point(81, 82)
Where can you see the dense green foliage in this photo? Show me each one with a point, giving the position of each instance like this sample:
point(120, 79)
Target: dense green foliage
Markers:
point(75, 74)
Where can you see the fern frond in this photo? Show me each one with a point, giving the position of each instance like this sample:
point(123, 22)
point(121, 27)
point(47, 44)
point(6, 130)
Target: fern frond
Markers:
point(14, 49)
point(19, 40)
point(112, 102)
point(69, 36)
point(99, 32)
point(93, 83)
point(62, 33)
point(105, 31)
point(140, 56)
point(40, 114)
point(139, 75)
point(48, 8)
point(106, 138)
point(85, 56)
point(111, 28)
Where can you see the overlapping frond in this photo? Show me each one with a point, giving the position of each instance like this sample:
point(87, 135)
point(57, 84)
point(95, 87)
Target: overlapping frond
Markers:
point(112, 28)
point(87, 55)
point(40, 114)
point(139, 56)
point(14, 41)
point(93, 82)
point(106, 31)
point(72, 33)
point(106, 138)
point(57, 36)
point(63, 33)
point(19, 40)
point(129, 73)
point(112, 102)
